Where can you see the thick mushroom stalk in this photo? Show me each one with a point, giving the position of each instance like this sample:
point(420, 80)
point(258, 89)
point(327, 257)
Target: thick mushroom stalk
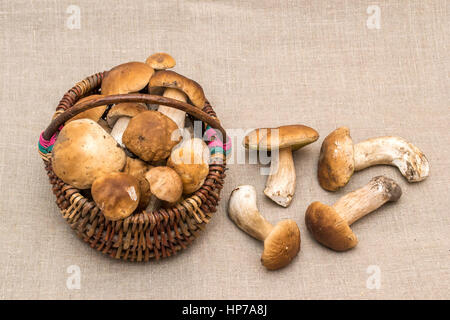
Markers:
point(118, 129)
point(178, 116)
point(281, 242)
point(280, 185)
point(394, 151)
point(330, 225)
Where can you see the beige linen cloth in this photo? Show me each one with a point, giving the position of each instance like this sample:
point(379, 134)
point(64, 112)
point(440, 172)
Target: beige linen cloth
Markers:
point(378, 67)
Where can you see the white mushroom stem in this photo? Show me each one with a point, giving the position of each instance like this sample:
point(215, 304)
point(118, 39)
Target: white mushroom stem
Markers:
point(119, 128)
point(176, 115)
point(394, 151)
point(355, 205)
point(242, 209)
point(280, 185)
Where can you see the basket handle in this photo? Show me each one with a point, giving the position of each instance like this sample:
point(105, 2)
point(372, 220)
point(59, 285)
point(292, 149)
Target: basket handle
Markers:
point(132, 97)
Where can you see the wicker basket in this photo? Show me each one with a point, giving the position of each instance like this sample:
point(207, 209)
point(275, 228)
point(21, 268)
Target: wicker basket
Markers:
point(143, 235)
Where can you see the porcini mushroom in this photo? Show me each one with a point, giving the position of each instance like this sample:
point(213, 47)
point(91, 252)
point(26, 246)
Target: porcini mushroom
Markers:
point(161, 61)
point(281, 242)
point(126, 78)
point(83, 152)
point(117, 194)
point(190, 160)
point(151, 135)
point(339, 158)
point(330, 225)
point(171, 79)
point(280, 185)
point(165, 184)
point(138, 168)
point(178, 116)
point(119, 116)
point(94, 113)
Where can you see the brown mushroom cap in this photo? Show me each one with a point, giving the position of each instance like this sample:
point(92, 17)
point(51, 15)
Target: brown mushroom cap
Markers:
point(83, 152)
point(160, 61)
point(171, 79)
point(294, 136)
point(336, 162)
point(138, 168)
point(126, 109)
point(282, 245)
point(151, 136)
point(126, 78)
point(329, 228)
point(190, 161)
point(165, 184)
point(94, 113)
point(116, 194)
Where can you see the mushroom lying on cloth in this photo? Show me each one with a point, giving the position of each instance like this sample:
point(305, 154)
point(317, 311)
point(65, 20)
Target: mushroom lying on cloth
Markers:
point(161, 61)
point(138, 168)
point(339, 158)
point(83, 152)
point(151, 136)
point(280, 185)
point(330, 225)
point(119, 116)
point(281, 242)
point(190, 160)
point(126, 78)
point(117, 194)
point(165, 184)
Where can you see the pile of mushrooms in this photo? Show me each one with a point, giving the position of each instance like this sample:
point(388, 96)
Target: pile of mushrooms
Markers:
point(129, 156)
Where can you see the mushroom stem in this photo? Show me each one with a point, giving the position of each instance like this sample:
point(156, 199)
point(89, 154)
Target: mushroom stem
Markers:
point(243, 210)
point(355, 205)
point(178, 116)
point(394, 151)
point(118, 129)
point(280, 185)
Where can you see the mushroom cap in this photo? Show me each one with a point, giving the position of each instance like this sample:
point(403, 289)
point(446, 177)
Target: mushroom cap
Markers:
point(294, 136)
point(171, 79)
point(83, 152)
point(336, 162)
point(190, 160)
point(329, 228)
point(116, 194)
point(126, 109)
point(165, 184)
point(137, 168)
point(151, 135)
point(126, 78)
point(94, 114)
point(281, 245)
point(160, 61)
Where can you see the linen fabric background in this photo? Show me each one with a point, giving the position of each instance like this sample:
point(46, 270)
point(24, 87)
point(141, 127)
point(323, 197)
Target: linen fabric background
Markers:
point(261, 64)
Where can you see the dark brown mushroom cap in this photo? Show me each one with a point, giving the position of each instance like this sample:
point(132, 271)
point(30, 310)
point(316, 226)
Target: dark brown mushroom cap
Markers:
point(329, 228)
point(282, 245)
point(94, 113)
point(171, 79)
point(126, 78)
point(138, 168)
point(116, 194)
point(161, 61)
point(151, 136)
point(336, 162)
point(126, 109)
point(165, 184)
point(294, 136)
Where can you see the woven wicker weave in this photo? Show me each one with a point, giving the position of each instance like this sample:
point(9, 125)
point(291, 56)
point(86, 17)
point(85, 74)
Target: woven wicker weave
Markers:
point(143, 235)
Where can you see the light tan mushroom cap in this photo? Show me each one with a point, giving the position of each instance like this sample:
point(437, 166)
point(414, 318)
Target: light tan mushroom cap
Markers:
point(116, 194)
point(294, 136)
point(138, 168)
point(329, 228)
point(126, 109)
point(282, 245)
point(336, 162)
point(165, 184)
point(190, 161)
point(126, 78)
point(160, 61)
point(83, 152)
point(94, 113)
point(151, 136)
point(171, 79)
